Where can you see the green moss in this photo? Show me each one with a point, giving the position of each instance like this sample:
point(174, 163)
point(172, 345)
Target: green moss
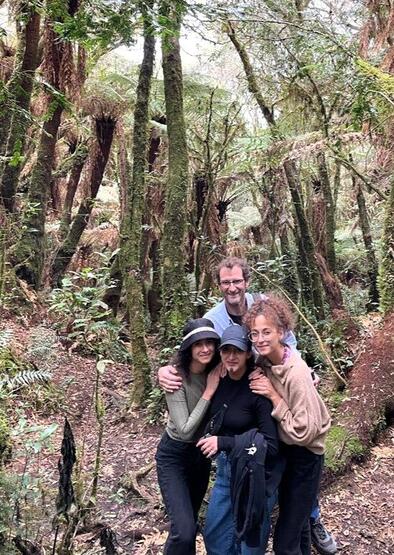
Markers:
point(335, 399)
point(340, 448)
point(5, 438)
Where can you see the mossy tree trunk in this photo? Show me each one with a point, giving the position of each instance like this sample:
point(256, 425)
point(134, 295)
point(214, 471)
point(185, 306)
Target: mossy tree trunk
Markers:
point(29, 253)
point(14, 119)
point(175, 296)
point(3, 243)
point(386, 276)
point(30, 250)
point(113, 293)
point(131, 228)
point(311, 284)
point(97, 161)
point(329, 211)
point(372, 263)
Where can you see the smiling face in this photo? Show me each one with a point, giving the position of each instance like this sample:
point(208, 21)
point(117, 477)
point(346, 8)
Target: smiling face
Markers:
point(202, 354)
point(267, 339)
point(233, 286)
point(234, 360)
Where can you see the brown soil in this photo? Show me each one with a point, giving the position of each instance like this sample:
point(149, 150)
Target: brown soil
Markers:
point(358, 507)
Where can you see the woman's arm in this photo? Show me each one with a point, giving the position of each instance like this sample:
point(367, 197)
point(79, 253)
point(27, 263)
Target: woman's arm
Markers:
point(187, 423)
point(300, 415)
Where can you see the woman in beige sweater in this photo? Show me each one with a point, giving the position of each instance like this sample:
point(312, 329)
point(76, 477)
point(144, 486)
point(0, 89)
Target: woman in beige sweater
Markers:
point(302, 417)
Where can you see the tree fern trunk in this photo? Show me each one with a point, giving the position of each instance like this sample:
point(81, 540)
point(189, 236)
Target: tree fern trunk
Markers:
point(97, 162)
point(329, 211)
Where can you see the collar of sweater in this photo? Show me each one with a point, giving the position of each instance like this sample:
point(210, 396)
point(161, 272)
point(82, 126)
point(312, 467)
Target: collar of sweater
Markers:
point(280, 371)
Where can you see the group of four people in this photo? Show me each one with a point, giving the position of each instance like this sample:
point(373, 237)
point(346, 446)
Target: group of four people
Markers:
point(272, 417)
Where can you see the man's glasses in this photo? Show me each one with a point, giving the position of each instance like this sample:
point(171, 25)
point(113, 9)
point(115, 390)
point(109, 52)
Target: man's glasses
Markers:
point(227, 282)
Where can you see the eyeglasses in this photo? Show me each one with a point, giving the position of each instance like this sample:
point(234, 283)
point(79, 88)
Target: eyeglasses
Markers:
point(254, 335)
point(227, 282)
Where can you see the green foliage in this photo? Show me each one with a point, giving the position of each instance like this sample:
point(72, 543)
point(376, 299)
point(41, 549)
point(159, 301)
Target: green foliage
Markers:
point(24, 378)
point(5, 438)
point(340, 447)
point(83, 318)
point(374, 98)
point(100, 25)
point(156, 406)
point(276, 269)
point(8, 486)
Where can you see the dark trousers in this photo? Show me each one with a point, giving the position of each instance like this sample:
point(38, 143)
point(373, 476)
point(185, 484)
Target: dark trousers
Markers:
point(183, 474)
point(297, 496)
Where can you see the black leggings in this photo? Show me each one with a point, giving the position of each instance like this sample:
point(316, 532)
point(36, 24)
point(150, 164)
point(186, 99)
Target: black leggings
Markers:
point(183, 474)
point(297, 496)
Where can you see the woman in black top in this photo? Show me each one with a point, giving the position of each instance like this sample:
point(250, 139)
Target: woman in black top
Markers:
point(245, 410)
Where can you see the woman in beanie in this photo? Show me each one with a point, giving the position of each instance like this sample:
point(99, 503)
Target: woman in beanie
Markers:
point(183, 472)
point(303, 420)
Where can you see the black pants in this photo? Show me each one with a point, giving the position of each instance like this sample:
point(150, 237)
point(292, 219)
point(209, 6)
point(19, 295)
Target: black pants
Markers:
point(297, 496)
point(183, 474)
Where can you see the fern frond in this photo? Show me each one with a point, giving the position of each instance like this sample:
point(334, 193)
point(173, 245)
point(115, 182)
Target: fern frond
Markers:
point(5, 337)
point(25, 378)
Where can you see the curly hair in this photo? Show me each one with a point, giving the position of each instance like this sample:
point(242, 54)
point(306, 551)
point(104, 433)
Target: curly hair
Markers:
point(275, 308)
point(232, 261)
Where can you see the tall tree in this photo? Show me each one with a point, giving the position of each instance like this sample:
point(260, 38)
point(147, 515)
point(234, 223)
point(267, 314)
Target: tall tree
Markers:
point(131, 228)
point(174, 286)
point(308, 272)
point(14, 116)
point(30, 251)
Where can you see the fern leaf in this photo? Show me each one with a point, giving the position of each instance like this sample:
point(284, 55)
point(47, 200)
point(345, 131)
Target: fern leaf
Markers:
point(25, 378)
point(5, 337)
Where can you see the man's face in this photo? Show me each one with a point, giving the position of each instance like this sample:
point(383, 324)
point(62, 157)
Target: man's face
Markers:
point(233, 286)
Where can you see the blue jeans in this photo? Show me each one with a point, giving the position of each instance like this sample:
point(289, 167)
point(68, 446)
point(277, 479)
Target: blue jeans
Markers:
point(219, 531)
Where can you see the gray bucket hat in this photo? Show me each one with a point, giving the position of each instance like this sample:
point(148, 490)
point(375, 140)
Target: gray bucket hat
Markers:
point(237, 336)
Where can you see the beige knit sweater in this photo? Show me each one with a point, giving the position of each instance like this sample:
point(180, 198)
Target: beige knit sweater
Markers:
point(302, 415)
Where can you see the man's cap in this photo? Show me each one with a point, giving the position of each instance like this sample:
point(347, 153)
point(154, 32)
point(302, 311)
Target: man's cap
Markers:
point(197, 330)
point(237, 336)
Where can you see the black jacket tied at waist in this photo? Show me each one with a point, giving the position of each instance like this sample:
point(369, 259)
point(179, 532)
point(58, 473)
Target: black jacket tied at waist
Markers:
point(247, 460)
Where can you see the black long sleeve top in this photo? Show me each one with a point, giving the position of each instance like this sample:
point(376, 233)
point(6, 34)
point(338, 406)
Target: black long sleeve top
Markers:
point(247, 410)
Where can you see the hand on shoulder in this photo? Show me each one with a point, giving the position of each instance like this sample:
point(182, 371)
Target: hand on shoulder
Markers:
point(169, 378)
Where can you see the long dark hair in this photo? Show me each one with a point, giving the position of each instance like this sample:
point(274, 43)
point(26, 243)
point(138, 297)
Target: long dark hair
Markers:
point(182, 360)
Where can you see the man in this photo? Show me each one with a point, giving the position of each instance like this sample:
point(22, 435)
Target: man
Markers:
point(233, 275)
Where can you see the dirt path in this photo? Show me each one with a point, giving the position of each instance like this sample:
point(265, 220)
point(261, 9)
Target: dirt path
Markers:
point(359, 507)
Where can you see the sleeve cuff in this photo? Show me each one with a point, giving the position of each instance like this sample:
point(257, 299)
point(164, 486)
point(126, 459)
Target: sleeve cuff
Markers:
point(280, 410)
point(225, 443)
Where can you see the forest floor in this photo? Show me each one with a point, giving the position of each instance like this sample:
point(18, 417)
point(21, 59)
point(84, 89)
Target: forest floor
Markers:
point(358, 507)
